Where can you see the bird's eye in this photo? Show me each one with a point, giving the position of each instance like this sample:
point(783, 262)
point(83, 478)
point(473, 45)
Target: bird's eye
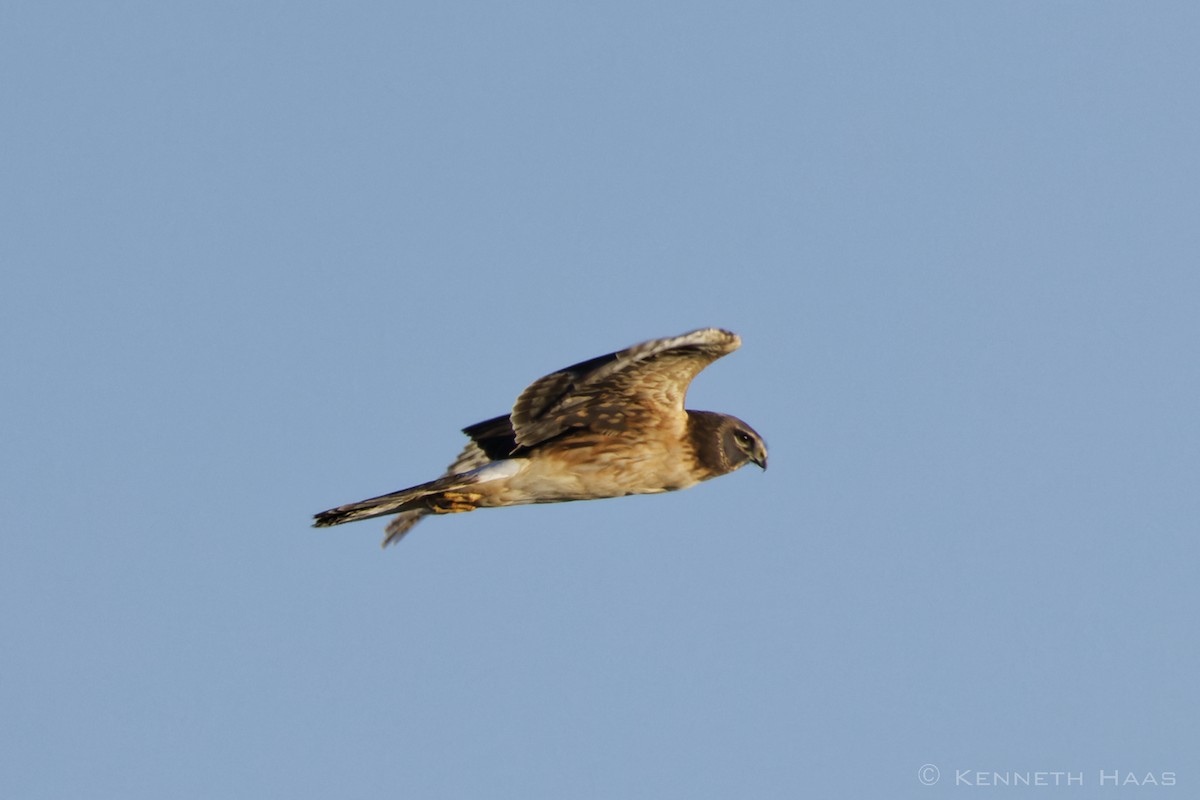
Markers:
point(742, 437)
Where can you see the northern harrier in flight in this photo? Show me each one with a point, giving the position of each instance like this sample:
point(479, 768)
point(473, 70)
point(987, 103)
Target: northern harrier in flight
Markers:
point(608, 427)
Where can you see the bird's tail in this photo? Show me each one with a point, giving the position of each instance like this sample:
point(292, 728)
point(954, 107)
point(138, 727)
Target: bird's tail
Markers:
point(412, 499)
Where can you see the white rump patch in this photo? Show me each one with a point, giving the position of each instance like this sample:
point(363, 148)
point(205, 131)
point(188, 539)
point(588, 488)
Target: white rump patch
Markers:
point(498, 470)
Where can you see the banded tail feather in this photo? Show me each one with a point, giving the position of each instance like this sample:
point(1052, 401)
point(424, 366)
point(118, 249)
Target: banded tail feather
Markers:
point(422, 497)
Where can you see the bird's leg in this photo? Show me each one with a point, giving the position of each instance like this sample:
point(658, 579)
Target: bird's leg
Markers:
point(454, 502)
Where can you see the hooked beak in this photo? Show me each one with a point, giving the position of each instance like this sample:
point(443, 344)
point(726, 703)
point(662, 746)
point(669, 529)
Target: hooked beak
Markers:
point(760, 457)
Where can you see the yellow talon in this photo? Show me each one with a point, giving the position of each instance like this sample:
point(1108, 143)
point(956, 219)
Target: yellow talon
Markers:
point(455, 502)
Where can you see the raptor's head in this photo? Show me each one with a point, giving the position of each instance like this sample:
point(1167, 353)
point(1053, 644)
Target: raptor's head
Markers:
point(724, 443)
point(742, 444)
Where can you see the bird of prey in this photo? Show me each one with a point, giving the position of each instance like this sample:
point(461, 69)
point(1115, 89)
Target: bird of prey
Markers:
point(608, 427)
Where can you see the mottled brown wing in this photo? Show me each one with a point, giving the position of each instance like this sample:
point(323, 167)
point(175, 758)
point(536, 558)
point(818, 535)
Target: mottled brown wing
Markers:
point(639, 385)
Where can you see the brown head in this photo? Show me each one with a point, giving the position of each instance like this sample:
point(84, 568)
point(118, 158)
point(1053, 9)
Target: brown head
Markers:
point(724, 443)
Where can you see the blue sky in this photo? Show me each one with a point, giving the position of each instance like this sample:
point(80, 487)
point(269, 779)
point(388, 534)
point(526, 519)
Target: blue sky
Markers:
point(262, 259)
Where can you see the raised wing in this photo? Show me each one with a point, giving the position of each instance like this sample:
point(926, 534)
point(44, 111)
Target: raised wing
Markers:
point(614, 392)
